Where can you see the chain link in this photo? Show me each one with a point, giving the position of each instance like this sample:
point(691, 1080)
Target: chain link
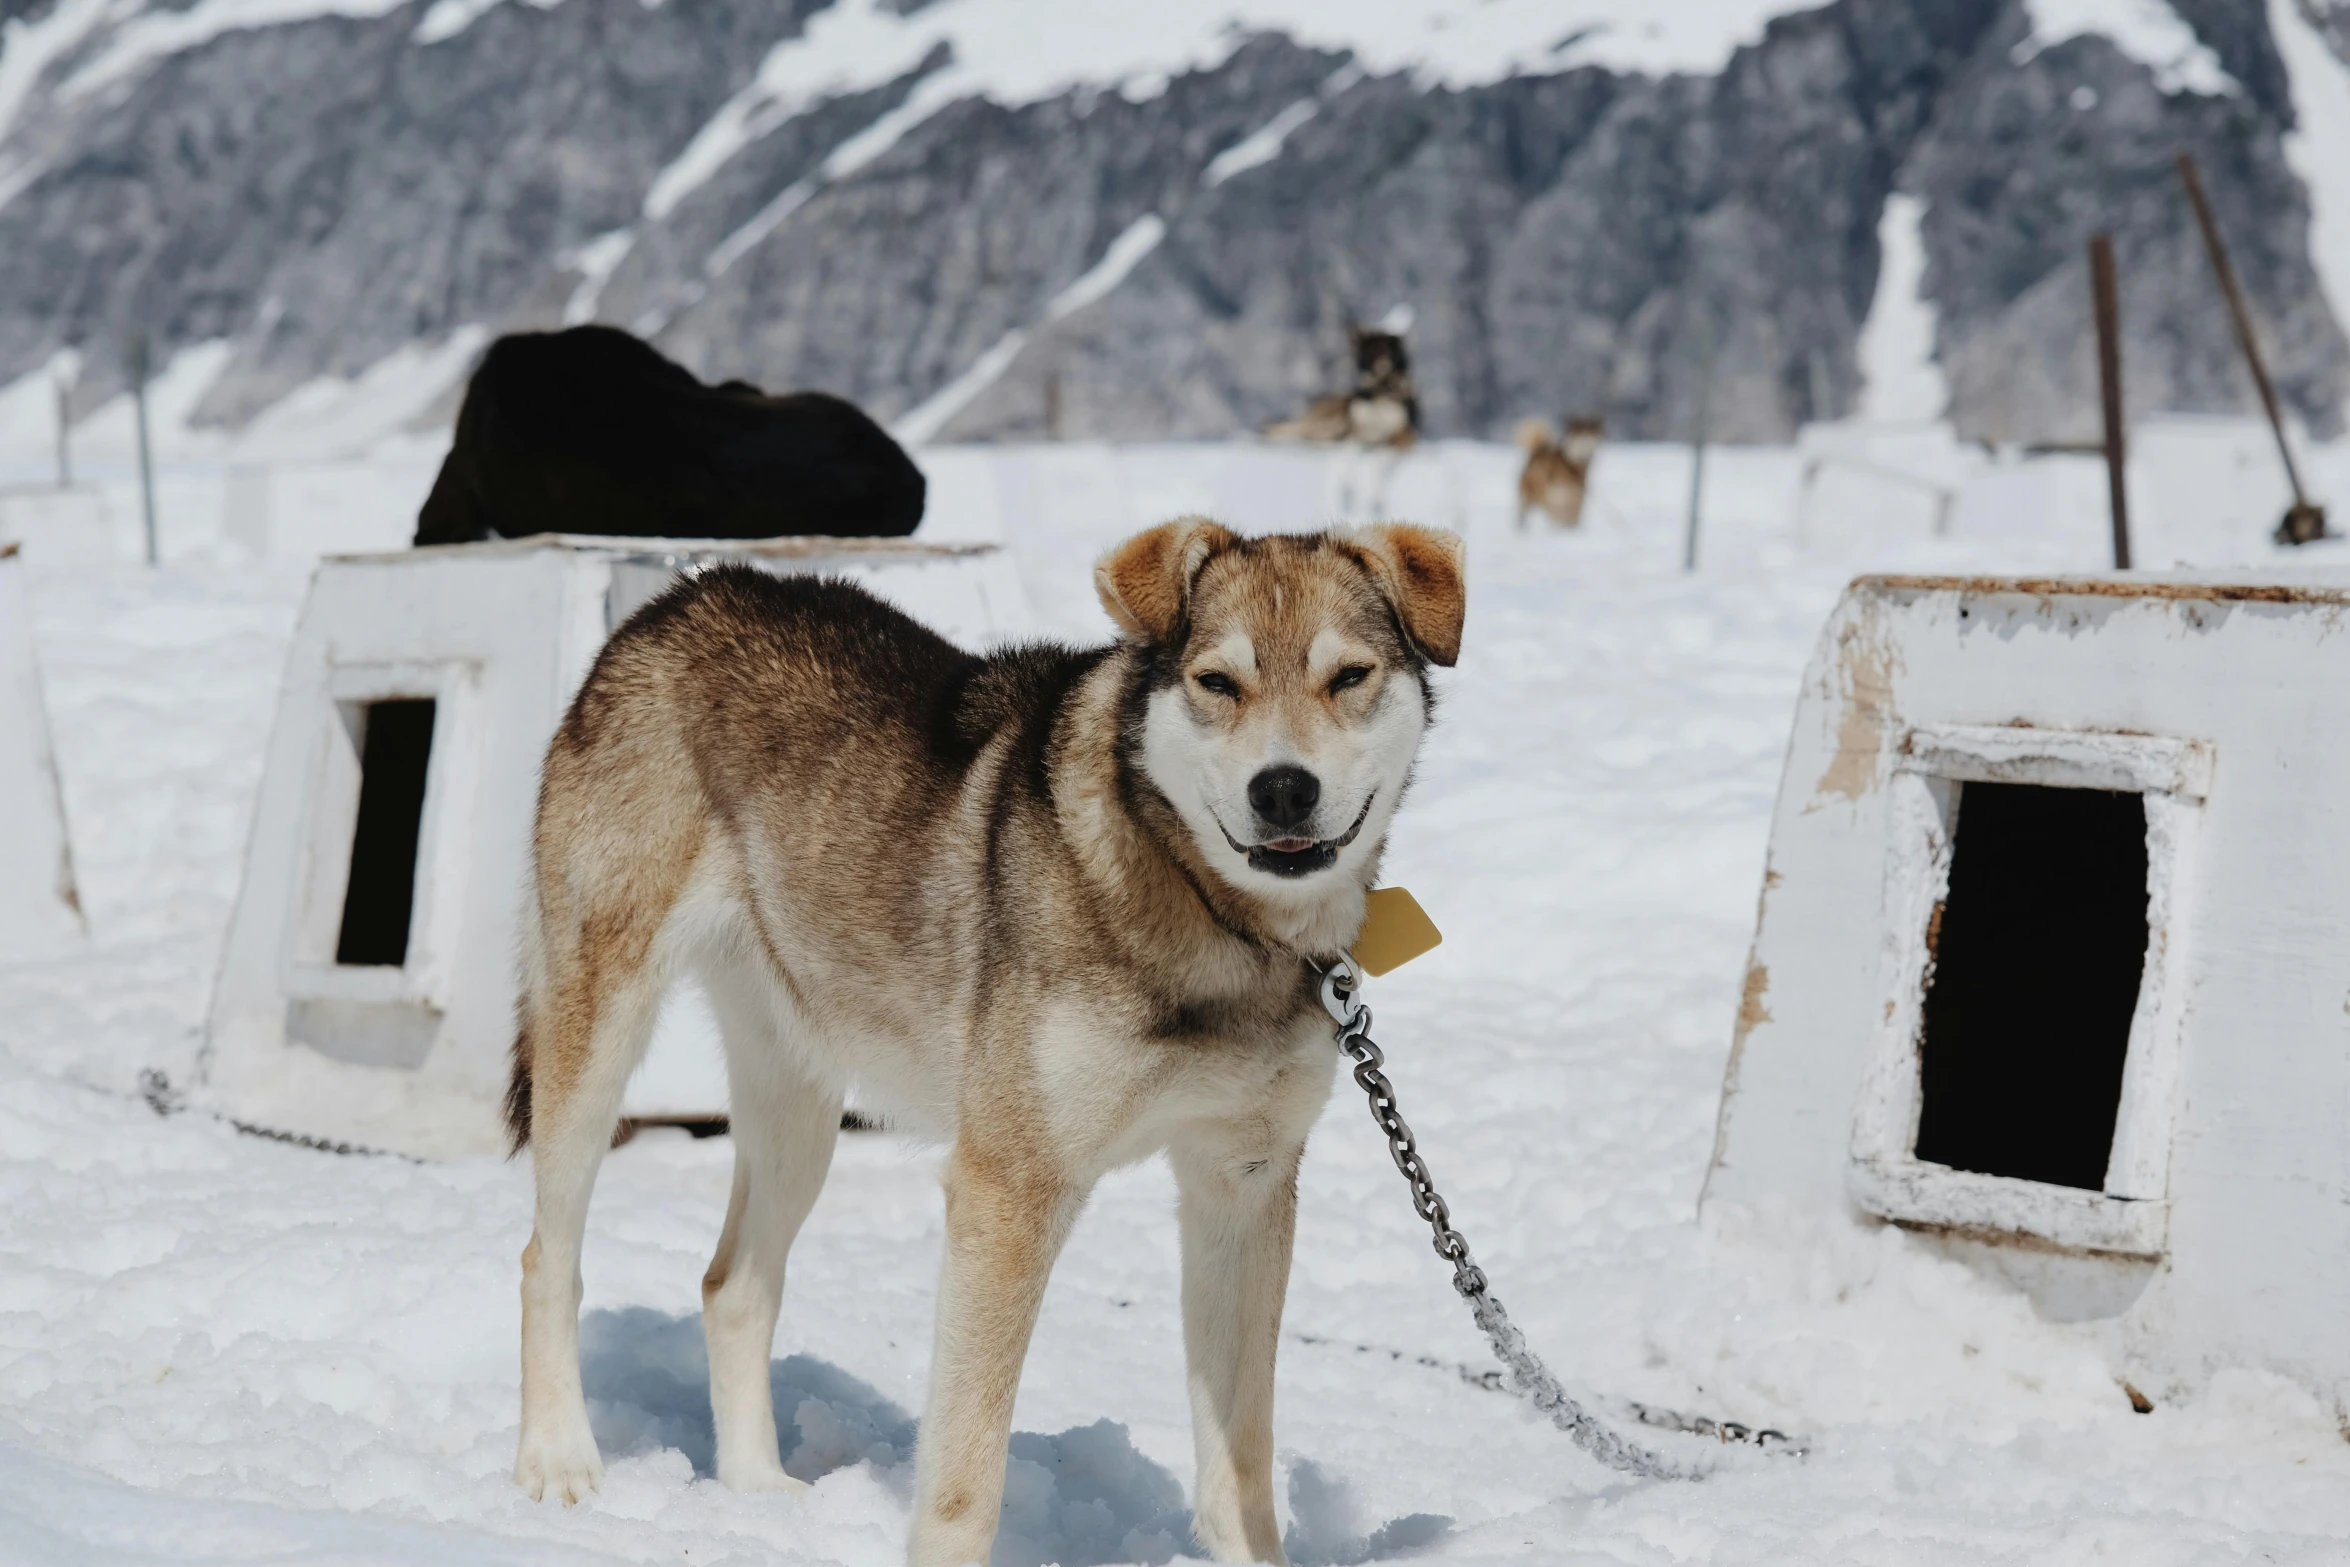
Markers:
point(1341, 987)
point(1355, 1039)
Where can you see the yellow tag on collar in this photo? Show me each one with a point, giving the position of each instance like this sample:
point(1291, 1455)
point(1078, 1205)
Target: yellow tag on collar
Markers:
point(1395, 931)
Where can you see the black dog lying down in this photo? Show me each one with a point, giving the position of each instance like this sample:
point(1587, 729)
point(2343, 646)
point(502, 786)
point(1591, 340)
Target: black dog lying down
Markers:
point(592, 431)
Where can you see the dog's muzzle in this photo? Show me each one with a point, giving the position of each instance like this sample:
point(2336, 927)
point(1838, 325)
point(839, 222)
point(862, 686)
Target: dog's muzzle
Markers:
point(1304, 860)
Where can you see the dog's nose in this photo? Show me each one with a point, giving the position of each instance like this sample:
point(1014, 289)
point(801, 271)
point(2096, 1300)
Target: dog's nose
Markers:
point(1284, 796)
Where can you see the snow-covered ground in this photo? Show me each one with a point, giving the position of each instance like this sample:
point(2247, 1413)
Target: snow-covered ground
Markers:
point(220, 1349)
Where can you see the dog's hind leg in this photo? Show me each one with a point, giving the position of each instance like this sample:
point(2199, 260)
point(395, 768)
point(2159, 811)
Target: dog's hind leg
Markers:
point(579, 1069)
point(1237, 1208)
point(784, 1125)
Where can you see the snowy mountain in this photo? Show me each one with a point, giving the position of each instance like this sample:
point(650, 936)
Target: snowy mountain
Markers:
point(990, 218)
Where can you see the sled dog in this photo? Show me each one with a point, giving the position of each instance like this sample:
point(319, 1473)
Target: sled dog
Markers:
point(1557, 471)
point(1059, 908)
point(1381, 410)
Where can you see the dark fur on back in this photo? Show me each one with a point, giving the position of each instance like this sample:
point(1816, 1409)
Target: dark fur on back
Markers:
point(591, 430)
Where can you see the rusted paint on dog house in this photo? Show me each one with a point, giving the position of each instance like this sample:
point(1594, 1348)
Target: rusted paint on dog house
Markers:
point(40, 908)
point(419, 695)
point(2220, 1233)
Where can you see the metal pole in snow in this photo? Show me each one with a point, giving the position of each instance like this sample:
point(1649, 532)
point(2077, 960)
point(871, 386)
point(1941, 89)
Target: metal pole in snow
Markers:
point(1705, 388)
point(2105, 294)
point(138, 358)
point(2304, 522)
point(64, 430)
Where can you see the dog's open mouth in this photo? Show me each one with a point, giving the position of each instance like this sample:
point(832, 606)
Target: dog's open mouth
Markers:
point(1298, 856)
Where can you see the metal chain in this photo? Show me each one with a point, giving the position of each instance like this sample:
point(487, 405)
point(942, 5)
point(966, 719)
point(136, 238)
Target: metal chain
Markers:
point(1341, 983)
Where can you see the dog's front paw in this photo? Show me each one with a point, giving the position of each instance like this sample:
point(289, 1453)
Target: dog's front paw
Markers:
point(758, 1477)
point(564, 1468)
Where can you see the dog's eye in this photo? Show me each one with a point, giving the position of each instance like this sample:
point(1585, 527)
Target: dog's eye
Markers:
point(1352, 675)
point(1218, 682)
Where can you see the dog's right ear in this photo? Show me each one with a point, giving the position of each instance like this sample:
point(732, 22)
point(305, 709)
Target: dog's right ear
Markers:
point(1145, 583)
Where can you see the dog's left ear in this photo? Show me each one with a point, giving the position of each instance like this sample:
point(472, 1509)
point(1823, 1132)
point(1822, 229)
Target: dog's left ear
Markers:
point(1423, 573)
point(1145, 583)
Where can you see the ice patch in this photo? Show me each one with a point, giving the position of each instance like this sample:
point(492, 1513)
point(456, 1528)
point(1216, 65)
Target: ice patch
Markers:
point(2148, 31)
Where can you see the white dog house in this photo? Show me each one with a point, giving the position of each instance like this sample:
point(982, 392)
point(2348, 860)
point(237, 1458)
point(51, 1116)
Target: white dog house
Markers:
point(2053, 955)
point(367, 990)
point(40, 910)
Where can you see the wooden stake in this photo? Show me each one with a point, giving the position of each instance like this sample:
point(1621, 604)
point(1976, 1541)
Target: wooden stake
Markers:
point(2106, 294)
point(2304, 522)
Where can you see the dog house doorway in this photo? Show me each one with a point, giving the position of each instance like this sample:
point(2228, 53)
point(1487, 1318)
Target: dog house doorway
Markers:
point(379, 893)
point(2037, 953)
point(367, 962)
point(2022, 1078)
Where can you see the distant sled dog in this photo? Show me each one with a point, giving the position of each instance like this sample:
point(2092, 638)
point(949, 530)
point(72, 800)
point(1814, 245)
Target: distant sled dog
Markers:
point(1059, 908)
point(591, 430)
point(1382, 409)
point(1557, 474)
point(1379, 419)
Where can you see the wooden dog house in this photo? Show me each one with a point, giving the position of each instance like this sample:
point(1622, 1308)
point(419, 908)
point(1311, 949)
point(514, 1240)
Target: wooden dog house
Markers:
point(366, 993)
point(2053, 954)
point(40, 909)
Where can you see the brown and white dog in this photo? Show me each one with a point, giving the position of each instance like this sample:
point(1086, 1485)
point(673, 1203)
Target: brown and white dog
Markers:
point(1376, 423)
point(1059, 908)
point(1381, 411)
point(1557, 472)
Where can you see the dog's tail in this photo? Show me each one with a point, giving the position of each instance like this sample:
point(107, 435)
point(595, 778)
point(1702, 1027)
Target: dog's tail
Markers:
point(518, 1094)
point(1534, 435)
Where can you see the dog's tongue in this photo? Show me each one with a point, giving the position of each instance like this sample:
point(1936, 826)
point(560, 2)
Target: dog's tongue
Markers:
point(1289, 845)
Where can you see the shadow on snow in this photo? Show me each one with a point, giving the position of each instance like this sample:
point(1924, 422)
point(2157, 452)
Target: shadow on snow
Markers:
point(1081, 1498)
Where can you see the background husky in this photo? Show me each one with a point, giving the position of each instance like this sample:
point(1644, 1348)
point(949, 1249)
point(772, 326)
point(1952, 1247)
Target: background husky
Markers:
point(1557, 472)
point(1381, 409)
point(1379, 419)
point(1058, 907)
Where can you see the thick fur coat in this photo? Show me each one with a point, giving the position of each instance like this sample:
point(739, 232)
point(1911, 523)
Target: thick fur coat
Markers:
point(1061, 909)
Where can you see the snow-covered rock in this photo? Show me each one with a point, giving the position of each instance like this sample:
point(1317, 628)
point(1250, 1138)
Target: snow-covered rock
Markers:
point(1588, 204)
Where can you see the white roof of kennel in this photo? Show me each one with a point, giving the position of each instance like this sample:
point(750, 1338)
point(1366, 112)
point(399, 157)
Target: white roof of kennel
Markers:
point(39, 907)
point(406, 1048)
point(2221, 1234)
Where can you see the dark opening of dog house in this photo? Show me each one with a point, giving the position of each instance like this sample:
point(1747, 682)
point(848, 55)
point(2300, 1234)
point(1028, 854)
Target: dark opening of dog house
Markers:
point(395, 752)
point(2038, 953)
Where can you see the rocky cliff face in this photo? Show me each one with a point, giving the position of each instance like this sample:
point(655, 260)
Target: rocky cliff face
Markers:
point(1174, 257)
